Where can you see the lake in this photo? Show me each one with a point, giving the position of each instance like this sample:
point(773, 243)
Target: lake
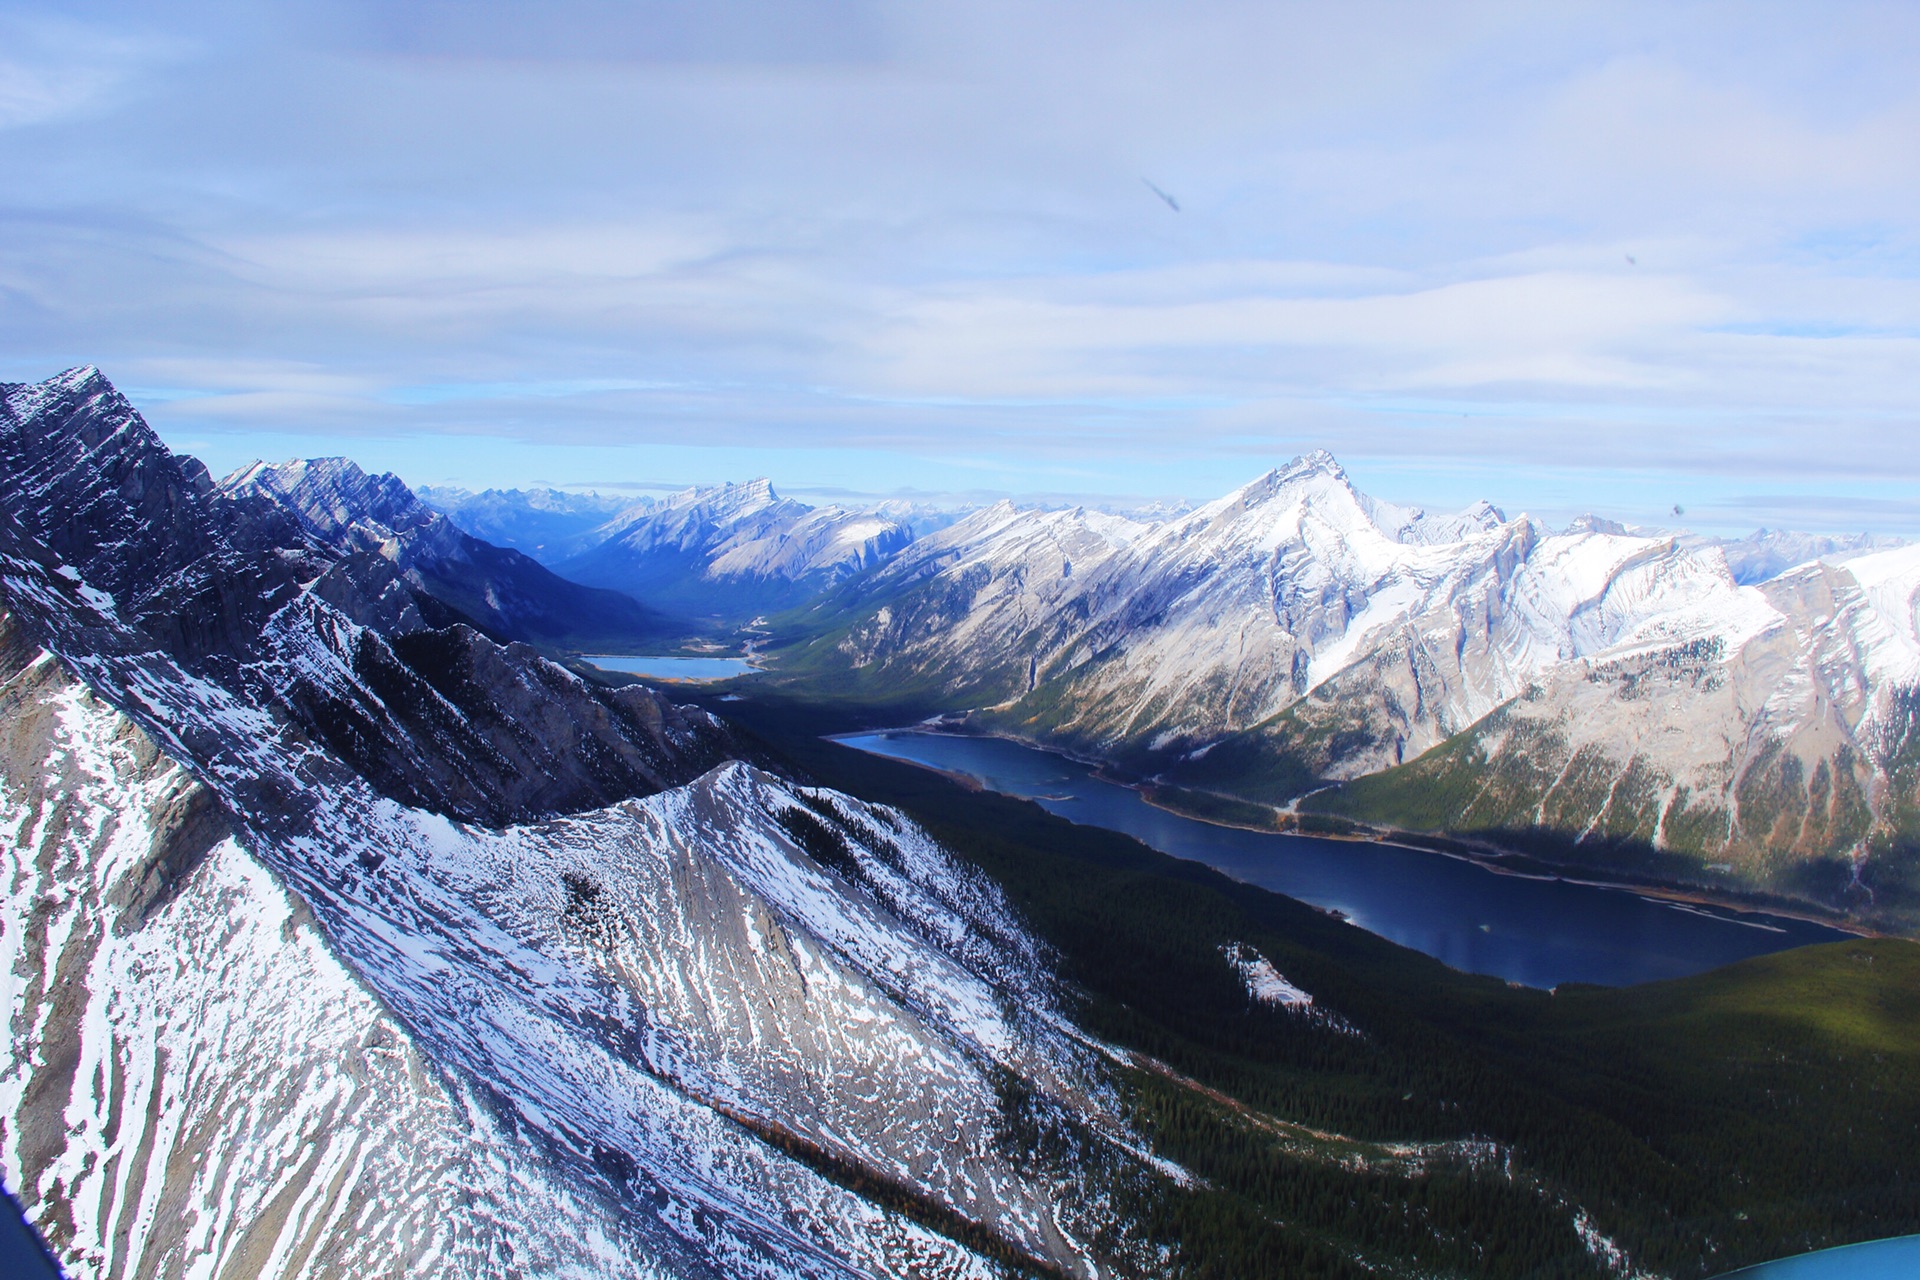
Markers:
point(671, 666)
point(22, 1256)
point(1536, 930)
point(1895, 1259)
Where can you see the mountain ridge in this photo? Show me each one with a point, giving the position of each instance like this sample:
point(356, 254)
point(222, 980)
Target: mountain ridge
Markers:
point(1295, 634)
point(344, 939)
point(233, 591)
point(510, 596)
point(640, 978)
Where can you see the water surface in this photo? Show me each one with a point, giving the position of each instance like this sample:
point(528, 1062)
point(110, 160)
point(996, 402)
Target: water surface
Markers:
point(1895, 1259)
point(22, 1255)
point(1539, 931)
point(671, 666)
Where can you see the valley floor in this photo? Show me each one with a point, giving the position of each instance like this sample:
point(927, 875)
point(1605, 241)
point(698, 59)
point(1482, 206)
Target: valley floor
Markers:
point(1681, 1128)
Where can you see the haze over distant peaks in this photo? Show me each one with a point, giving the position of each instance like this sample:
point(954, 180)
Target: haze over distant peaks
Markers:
point(735, 551)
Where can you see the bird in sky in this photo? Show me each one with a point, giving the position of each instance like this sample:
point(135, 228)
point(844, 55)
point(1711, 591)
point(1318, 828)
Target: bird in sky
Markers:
point(1632, 261)
point(1171, 202)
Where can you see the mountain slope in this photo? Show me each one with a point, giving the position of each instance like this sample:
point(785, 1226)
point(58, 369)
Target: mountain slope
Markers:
point(1783, 761)
point(1617, 698)
point(641, 994)
point(232, 589)
point(730, 553)
point(962, 613)
point(255, 1109)
point(674, 1017)
point(506, 594)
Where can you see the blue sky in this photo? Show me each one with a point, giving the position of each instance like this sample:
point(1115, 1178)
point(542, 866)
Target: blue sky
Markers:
point(1564, 256)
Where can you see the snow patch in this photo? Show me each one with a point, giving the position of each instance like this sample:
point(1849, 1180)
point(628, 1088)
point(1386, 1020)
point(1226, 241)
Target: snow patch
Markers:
point(1264, 982)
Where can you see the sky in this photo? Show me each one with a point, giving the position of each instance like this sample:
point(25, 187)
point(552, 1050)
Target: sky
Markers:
point(1616, 257)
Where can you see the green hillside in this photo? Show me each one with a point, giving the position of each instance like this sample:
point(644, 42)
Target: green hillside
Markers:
point(1469, 1128)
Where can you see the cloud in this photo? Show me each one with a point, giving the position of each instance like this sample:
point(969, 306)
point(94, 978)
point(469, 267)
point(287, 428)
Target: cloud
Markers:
point(1563, 328)
point(757, 33)
point(1677, 238)
point(54, 68)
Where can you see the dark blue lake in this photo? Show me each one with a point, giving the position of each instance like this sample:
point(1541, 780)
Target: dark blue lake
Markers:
point(22, 1256)
point(1538, 931)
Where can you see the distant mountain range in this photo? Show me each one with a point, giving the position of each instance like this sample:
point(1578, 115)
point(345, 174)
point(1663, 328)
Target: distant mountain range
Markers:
point(1729, 713)
point(729, 554)
point(346, 934)
point(547, 524)
point(1732, 714)
point(1635, 701)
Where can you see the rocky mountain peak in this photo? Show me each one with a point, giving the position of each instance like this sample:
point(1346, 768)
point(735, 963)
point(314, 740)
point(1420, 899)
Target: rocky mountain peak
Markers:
point(1591, 523)
point(723, 500)
point(330, 496)
point(363, 652)
point(1308, 471)
point(83, 381)
point(1320, 460)
point(92, 483)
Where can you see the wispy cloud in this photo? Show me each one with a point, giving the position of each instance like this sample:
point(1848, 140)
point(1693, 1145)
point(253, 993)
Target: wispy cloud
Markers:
point(1571, 239)
point(53, 67)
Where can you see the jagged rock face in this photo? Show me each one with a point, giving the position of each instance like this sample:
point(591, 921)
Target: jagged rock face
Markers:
point(193, 1084)
point(506, 594)
point(343, 506)
point(735, 551)
point(89, 481)
point(643, 996)
point(647, 1038)
point(149, 558)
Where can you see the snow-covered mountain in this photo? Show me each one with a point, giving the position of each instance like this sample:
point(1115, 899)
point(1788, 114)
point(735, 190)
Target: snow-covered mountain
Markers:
point(342, 940)
point(1297, 632)
point(509, 595)
point(342, 944)
point(548, 524)
point(573, 1048)
point(734, 551)
point(965, 611)
point(1117, 634)
point(1768, 553)
point(1782, 754)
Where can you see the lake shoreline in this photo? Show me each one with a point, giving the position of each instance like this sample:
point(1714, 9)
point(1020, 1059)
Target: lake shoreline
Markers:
point(1506, 862)
point(1490, 858)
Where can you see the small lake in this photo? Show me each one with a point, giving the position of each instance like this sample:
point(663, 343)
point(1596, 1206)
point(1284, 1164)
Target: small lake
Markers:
point(22, 1256)
point(1895, 1259)
point(671, 666)
point(1538, 931)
